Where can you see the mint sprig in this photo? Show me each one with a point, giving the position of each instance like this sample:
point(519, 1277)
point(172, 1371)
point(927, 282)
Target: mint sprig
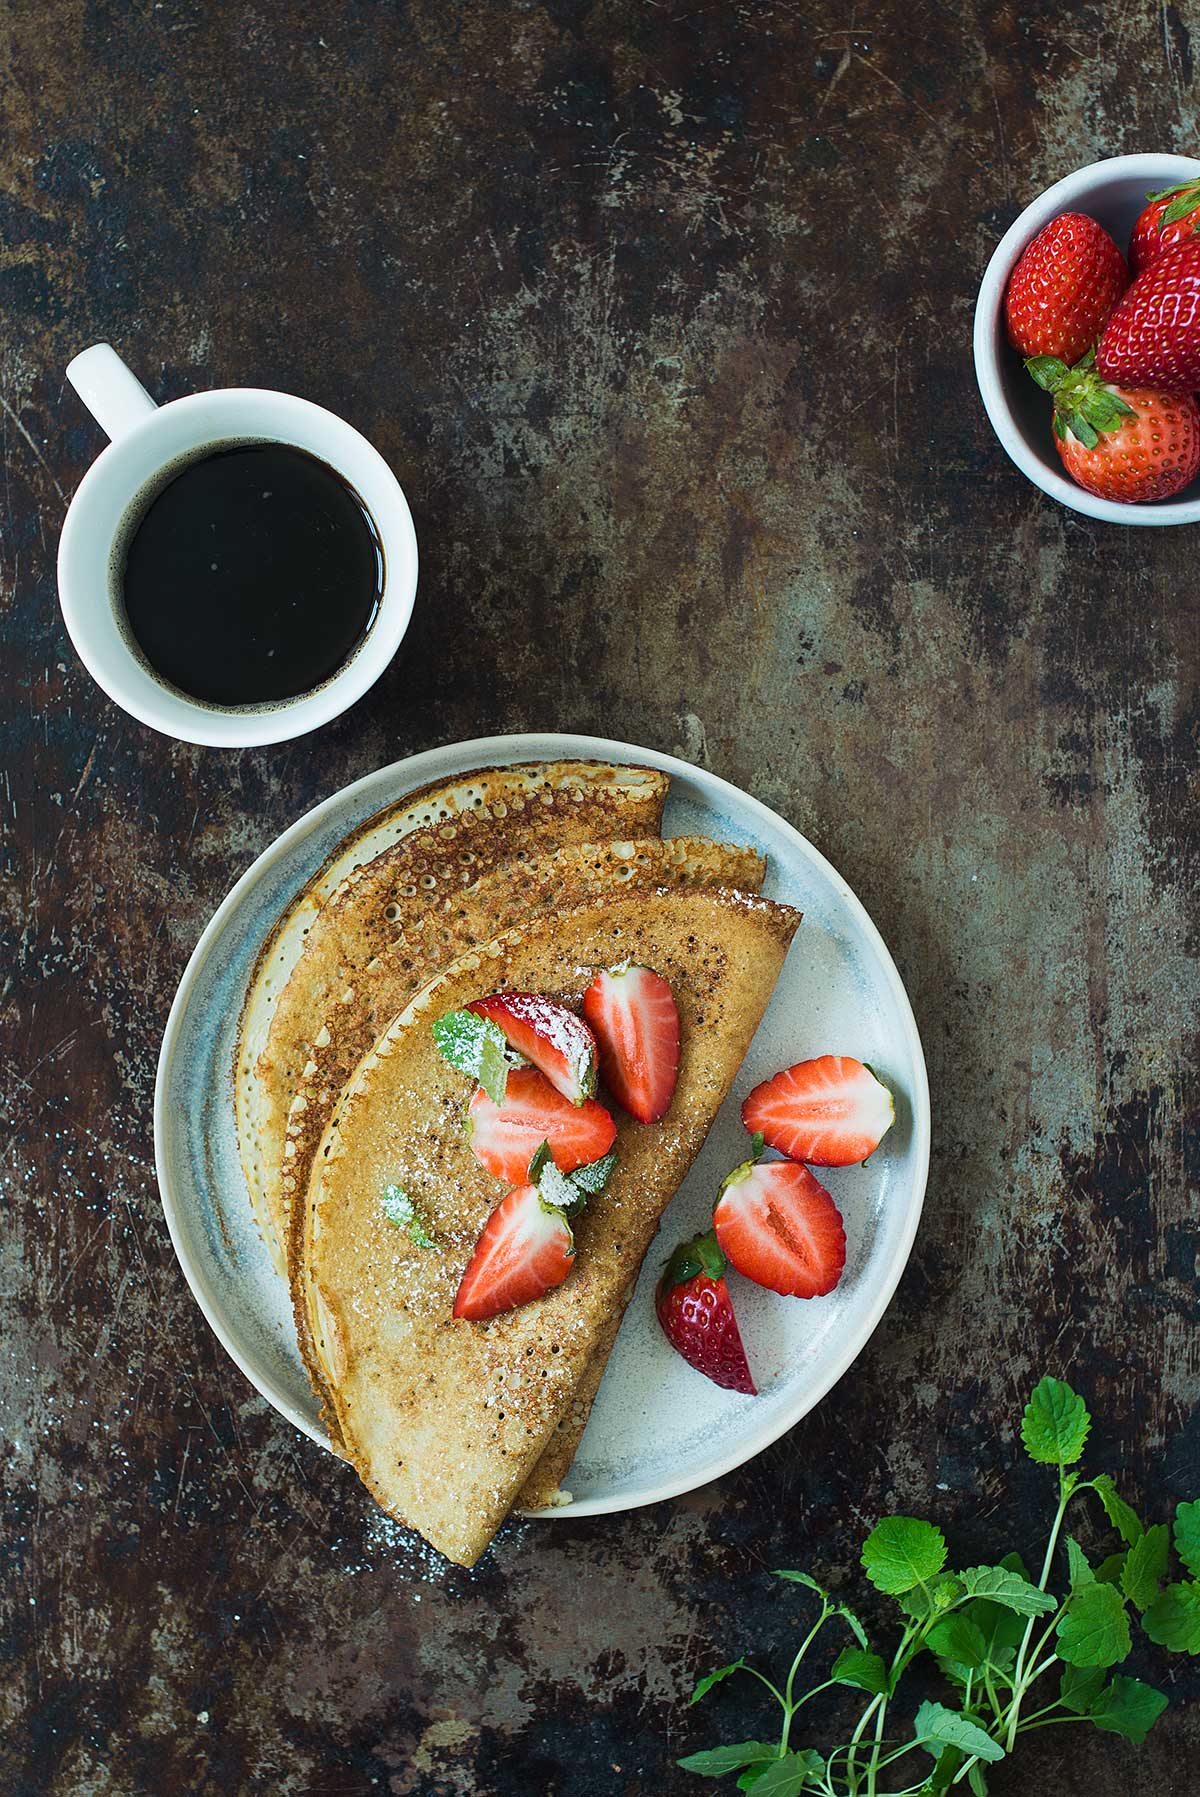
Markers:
point(477, 1047)
point(568, 1191)
point(400, 1210)
point(1015, 1654)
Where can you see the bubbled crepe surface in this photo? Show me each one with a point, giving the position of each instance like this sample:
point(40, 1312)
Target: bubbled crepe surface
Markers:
point(520, 888)
point(392, 869)
point(399, 1367)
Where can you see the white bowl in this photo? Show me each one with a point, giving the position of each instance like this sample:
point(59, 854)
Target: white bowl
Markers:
point(1113, 193)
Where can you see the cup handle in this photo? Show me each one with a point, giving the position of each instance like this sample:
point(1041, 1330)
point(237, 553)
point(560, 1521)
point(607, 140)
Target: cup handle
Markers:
point(112, 394)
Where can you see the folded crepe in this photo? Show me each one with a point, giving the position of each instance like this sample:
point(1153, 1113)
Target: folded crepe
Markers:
point(445, 1420)
point(460, 921)
point(378, 883)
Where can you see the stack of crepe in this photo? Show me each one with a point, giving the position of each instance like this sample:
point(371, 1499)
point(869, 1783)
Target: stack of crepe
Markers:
point(528, 878)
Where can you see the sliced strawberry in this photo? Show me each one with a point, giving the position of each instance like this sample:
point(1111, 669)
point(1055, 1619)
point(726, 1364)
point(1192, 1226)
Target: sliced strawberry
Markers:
point(831, 1111)
point(505, 1137)
point(549, 1035)
point(525, 1247)
point(696, 1313)
point(633, 1012)
point(778, 1225)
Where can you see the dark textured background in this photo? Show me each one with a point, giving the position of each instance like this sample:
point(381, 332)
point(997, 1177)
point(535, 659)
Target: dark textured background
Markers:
point(661, 313)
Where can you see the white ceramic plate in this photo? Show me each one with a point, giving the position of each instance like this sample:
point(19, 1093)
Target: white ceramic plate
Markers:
point(657, 1428)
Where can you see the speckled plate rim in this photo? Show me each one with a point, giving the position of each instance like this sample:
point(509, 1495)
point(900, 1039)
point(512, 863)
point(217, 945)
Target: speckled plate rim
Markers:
point(417, 770)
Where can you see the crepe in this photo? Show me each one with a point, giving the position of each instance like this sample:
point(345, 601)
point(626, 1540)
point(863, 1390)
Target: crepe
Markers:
point(378, 883)
point(445, 1420)
point(460, 921)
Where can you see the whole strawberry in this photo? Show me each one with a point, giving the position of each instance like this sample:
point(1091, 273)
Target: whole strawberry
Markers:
point(1064, 287)
point(696, 1313)
point(1125, 443)
point(1173, 216)
point(1152, 338)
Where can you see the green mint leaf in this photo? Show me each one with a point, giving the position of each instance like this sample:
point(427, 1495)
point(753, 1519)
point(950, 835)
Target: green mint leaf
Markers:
point(1146, 1566)
point(959, 1646)
point(474, 1046)
point(1121, 1515)
point(935, 1723)
point(595, 1176)
point(1079, 1566)
point(710, 1679)
point(977, 1781)
point(1079, 1687)
point(802, 1578)
point(930, 1600)
point(1008, 1588)
point(789, 1776)
point(1187, 1536)
point(1047, 371)
point(399, 1209)
point(715, 1762)
point(1110, 1568)
point(1128, 1707)
point(865, 1671)
point(757, 1144)
point(1173, 1620)
point(1056, 1422)
point(750, 1777)
point(902, 1552)
point(1094, 1629)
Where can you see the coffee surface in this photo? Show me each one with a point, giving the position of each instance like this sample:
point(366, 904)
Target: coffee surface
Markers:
point(252, 575)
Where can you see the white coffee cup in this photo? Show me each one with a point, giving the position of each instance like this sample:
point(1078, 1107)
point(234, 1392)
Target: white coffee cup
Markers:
point(147, 439)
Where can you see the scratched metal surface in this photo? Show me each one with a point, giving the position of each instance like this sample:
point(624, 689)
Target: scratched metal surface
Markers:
point(661, 313)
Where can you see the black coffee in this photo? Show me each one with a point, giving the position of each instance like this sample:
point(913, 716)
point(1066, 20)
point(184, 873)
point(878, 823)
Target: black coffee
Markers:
point(252, 576)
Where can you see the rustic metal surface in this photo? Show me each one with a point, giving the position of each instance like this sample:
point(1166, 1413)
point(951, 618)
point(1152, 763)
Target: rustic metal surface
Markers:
point(661, 313)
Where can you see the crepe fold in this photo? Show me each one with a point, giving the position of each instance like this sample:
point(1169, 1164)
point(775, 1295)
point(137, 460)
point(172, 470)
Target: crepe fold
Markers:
point(446, 1420)
point(461, 920)
point(380, 882)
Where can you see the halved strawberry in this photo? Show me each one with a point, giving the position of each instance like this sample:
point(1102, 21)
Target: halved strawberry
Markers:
point(831, 1111)
point(524, 1249)
point(778, 1225)
point(633, 1012)
point(549, 1035)
point(505, 1137)
point(696, 1312)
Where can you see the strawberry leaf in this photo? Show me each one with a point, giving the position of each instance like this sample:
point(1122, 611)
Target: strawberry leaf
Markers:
point(1047, 371)
point(690, 1259)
